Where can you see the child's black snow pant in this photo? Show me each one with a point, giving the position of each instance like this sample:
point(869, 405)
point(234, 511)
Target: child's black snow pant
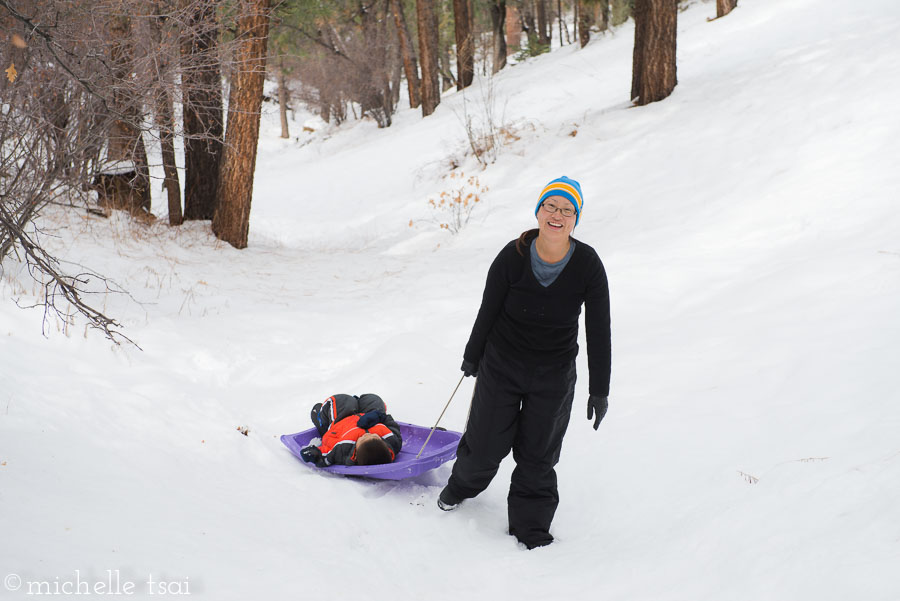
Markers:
point(524, 408)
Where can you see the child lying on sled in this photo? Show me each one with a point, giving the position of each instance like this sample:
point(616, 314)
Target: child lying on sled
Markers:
point(355, 430)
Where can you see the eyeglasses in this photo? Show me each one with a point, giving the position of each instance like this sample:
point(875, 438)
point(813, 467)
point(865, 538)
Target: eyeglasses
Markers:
point(552, 209)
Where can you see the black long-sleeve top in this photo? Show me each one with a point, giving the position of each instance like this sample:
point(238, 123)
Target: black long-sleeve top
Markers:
point(539, 325)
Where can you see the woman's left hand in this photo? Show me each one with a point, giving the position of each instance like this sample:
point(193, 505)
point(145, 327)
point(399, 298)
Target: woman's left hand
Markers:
point(597, 405)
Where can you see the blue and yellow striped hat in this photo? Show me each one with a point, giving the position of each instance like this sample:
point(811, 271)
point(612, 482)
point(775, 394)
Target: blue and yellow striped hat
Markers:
point(567, 188)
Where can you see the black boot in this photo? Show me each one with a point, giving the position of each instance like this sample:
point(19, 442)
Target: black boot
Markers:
point(535, 540)
point(447, 501)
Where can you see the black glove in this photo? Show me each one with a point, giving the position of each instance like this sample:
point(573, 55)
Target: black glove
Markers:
point(598, 404)
point(469, 369)
point(311, 454)
point(370, 419)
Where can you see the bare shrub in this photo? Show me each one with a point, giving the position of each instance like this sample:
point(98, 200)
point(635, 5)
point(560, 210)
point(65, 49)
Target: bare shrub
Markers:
point(82, 78)
point(485, 126)
point(453, 207)
point(50, 144)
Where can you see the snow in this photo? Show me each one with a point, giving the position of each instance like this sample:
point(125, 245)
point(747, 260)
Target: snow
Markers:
point(749, 227)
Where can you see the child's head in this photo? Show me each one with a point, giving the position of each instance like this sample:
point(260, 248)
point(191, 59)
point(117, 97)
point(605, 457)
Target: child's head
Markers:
point(371, 449)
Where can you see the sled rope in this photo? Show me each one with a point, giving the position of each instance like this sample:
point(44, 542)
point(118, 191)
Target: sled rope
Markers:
point(434, 427)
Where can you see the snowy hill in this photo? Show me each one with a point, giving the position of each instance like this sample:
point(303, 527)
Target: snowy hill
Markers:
point(750, 228)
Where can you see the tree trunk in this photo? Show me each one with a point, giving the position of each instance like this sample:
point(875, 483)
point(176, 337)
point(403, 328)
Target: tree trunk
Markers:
point(576, 4)
point(231, 221)
point(283, 100)
point(723, 7)
point(426, 18)
point(542, 24)
point(445, 59)
point(165, 121)
point(465, 46)
point(201, 84)
point(603, 10)
point(653, 70)
point(388, 60)
point(560, 19)
point(513, 29)
point(585, 20)
point(498, 25)
point(373, 73)
point(396, 74)
point(549, 10)
point(528, 23)
point(407, 51)
point(125, 140)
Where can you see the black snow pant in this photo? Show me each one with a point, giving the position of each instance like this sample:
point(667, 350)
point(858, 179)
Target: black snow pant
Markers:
point(524, 408)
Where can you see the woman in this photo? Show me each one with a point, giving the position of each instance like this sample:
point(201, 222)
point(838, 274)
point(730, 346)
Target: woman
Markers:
point(522, 348)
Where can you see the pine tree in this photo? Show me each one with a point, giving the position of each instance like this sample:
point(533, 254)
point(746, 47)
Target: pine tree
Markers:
point(465, 44)
point(408, 54)
point(426, 19)
point(201, 83)
point(653, 70)
point(498, 25)
point(231, 221)
point(723, 7)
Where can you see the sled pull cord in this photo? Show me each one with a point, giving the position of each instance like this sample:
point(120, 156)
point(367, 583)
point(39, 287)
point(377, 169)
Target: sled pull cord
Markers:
point(440, 416)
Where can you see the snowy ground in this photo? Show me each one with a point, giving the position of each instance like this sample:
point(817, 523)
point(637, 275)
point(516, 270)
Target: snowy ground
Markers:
point(750, 228)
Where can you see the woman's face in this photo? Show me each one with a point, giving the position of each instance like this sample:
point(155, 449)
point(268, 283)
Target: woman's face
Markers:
point(555, 225)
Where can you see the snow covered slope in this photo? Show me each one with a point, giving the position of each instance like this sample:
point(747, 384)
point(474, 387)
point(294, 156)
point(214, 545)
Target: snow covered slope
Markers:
point(750, 228)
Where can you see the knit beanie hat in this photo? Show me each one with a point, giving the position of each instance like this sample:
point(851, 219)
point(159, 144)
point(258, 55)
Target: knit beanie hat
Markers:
point(567, 188)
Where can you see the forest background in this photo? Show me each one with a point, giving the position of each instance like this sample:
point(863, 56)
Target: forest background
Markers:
point(89, 84)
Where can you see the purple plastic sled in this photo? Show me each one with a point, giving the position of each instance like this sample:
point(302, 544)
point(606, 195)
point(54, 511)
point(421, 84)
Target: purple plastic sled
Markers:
point(441, 448)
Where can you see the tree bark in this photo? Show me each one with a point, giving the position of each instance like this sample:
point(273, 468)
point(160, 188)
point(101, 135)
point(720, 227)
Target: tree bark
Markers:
point(603, 10)
point(165, 121)
point(465, 45)
point(407, 51)
point(513, 29)
point(561, 22)
point(576, 4)
point(542, 23)
point(373, 73)
point(426, 18)
point(585, 20)
point(201, 84)
point(445, 58)
point(396, 74)
point(125, 140)
point(528, 24)
point(723, 7)
point(231, 221)
point(498, 25)
point(654, 74)
point(283, 100)
point(388, 60)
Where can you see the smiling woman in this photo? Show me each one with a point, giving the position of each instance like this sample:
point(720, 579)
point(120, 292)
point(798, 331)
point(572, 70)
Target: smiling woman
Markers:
point(522, 348)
